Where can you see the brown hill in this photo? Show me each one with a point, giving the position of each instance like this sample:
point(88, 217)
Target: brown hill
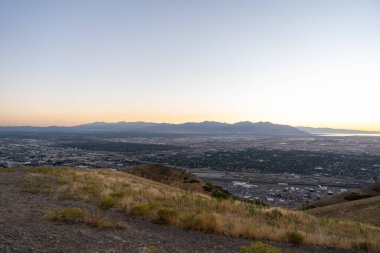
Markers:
point(364, 210)
point(357, 194)
point(361, 205)
point(177, 178)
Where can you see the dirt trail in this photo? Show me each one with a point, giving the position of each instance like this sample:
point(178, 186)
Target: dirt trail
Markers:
point(22, 229)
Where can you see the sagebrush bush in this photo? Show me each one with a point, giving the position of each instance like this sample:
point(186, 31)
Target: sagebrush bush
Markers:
point(295, 237)
point(68, 215)
point(207, 187)
point(108, 202)
point(219, 194)
point(140, 210)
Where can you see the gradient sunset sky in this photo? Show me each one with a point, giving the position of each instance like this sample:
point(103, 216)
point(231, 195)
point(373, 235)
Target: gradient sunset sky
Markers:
point(310, 63)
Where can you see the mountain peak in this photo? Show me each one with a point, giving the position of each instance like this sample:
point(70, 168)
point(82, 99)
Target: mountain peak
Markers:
point(204, 127)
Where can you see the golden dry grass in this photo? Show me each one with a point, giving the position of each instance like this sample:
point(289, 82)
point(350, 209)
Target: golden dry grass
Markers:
point(165, 204)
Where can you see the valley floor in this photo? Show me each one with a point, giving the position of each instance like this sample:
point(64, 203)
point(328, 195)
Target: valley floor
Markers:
point(23, 229)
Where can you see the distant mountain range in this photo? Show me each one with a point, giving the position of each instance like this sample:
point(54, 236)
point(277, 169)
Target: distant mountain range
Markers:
point(206, 127)
point(313, 130)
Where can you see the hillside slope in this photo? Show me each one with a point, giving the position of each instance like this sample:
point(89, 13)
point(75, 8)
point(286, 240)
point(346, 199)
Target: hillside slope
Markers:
point(120, 195)
point(178, 178)
point(360, 205)
point(364, 210)
point(357, 194)
point(316, 130)
point(24, 228)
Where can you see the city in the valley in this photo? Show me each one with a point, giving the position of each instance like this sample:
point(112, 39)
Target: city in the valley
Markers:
point(286, 171)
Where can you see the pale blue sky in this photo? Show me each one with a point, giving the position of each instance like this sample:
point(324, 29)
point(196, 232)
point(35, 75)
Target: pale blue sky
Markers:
point(294, 62)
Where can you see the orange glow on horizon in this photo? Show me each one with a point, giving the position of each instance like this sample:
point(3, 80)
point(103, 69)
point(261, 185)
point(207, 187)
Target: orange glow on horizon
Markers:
point(77, 119)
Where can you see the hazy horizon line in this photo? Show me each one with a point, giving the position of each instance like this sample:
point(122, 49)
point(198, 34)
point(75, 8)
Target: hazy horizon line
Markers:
point(184, 122)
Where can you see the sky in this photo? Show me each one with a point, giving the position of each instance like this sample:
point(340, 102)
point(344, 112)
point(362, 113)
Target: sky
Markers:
point(309, 63)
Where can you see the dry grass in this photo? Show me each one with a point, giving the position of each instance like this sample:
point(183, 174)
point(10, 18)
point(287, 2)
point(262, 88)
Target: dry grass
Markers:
point(165, 204)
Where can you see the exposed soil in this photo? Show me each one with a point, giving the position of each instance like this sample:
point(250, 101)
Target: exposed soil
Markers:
point(23, 229)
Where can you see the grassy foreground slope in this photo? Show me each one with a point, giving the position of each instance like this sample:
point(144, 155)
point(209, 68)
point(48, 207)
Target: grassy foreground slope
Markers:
point(169, 205)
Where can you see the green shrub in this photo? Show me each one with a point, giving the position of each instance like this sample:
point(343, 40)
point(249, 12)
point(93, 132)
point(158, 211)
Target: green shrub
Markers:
point(70, 215)
point(193, 181)
point(243, 249)
point(166, 216)
point(107, 203)
point(295, 237)
point(140, 210)
point(207, 187)
point(259, 247)
point(220, 195)
point(90, 192)
point(150, 249)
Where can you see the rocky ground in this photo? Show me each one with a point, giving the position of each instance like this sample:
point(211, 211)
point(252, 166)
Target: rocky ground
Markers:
point(23, 229)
